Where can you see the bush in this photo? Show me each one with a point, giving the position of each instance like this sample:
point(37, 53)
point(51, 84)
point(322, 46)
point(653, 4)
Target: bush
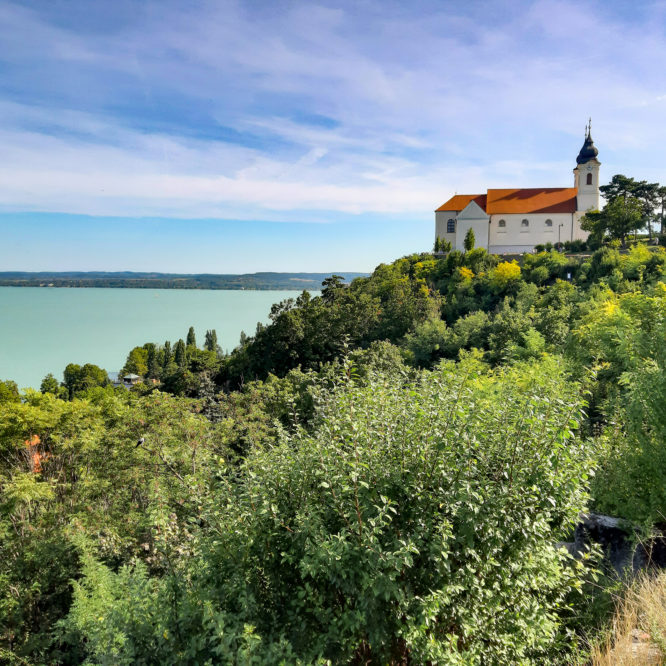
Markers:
point(400, 531)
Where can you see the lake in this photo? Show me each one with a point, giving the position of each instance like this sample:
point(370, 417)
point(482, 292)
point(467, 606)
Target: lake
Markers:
point(43, 329)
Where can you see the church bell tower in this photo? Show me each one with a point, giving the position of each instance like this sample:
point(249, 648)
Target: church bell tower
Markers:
point(586, 174)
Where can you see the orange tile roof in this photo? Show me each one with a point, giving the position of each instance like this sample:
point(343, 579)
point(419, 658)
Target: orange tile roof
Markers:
point(532, 200)
point(459, 201)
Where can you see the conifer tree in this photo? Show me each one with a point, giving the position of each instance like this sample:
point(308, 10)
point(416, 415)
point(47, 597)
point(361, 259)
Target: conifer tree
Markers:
point(469, 240)
point(50, 385)
point(211, 341)
point(191, 338)
point(151, 363)
point(166, 359)
point(180, 354)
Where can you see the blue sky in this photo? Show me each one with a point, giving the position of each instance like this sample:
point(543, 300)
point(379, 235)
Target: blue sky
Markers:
point(242, 136)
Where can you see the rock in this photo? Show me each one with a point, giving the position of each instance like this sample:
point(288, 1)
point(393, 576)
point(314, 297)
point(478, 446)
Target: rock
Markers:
point(622, 543)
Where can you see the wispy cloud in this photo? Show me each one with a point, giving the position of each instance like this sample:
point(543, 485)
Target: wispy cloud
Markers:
point(230, 109)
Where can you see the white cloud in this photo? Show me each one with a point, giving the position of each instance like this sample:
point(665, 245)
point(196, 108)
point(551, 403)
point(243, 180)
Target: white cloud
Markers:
point(423, 103)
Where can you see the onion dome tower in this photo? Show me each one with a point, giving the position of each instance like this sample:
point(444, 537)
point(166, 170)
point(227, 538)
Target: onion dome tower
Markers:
point(586, 174)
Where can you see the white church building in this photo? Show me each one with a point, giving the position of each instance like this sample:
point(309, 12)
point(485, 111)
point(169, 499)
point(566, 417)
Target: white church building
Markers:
point(508, 221)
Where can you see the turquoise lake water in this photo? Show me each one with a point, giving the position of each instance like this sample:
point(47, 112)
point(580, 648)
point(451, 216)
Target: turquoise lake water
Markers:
point(44, 329)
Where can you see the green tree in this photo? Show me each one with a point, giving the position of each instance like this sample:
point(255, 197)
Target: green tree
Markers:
point(211, 341)
point(661, 193)
point(50, 385)
point(136, 362)
point(618, 219)
point(152, 363)
point(167, 356)
point(191, 338)
point(82, 378)
point(648, 194)
point(332, 287)
point(620, 186)
point(9, 391)
point(470, 240)
point(180, 355)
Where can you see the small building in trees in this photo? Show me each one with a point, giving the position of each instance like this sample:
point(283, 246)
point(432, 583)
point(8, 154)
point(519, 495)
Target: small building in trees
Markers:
point(131, 379)
point(126, 381)
point(515, 220)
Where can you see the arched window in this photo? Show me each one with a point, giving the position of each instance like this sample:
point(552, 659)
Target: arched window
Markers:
point(589, 179)
point(549, 223)
point(501, 223)
point(525, 223)
point(450, 226)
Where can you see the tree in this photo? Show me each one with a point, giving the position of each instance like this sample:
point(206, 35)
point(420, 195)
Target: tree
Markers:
point(136, 363)
point(152, 363)
point(661, 193)
point(167, 356)
point(469, 240)
point(180, 354)
point(211, 341)
point(618, 218)
point(191, 338)
point(9, 391)
point(50, 385)
point(81, 378)
point(332, 287)
point(619, 186)
point(648, 195)
point(625, 188)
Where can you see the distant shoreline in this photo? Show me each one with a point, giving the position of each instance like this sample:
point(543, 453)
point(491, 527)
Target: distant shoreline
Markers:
point(130, 280)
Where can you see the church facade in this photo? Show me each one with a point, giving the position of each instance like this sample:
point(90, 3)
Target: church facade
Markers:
point(513, 221)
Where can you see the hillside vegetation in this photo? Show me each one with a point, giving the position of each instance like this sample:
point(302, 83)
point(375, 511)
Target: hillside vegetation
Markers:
point(381, 475)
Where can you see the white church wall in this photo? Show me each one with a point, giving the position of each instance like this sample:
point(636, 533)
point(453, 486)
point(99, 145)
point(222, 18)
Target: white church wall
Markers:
point(441, 219)
point(522, 238)
point(578, 233)
point(475, 218)
point(480, 228)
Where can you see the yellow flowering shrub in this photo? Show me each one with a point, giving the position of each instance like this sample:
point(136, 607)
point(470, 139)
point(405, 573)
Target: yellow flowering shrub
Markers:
point(505, 272)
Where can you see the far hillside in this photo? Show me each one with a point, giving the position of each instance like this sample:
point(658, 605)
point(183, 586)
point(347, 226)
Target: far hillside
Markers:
point(129, 279)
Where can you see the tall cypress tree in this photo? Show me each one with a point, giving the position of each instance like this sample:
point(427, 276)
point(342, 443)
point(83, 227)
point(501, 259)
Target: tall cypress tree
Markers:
point(151, 362)
point(211, 341)
point(180, 354)
point(191, 338)
point(167, 354)
point(469, 241)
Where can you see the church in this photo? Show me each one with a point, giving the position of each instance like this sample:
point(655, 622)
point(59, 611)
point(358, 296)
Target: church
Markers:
point(513, 221)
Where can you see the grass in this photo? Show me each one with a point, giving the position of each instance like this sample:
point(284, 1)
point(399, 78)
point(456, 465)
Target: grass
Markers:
point(638, 631)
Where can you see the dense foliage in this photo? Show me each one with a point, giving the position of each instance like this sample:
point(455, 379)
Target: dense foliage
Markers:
point(380, 475)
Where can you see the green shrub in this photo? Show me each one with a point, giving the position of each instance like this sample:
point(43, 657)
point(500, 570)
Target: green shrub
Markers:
point(416, 523)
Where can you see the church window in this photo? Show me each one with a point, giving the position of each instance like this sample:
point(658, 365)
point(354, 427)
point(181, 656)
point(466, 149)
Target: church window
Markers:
point(525, 223)
point(589, 179)
point(549, 223)
point(501, 223)
point(450, 226)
